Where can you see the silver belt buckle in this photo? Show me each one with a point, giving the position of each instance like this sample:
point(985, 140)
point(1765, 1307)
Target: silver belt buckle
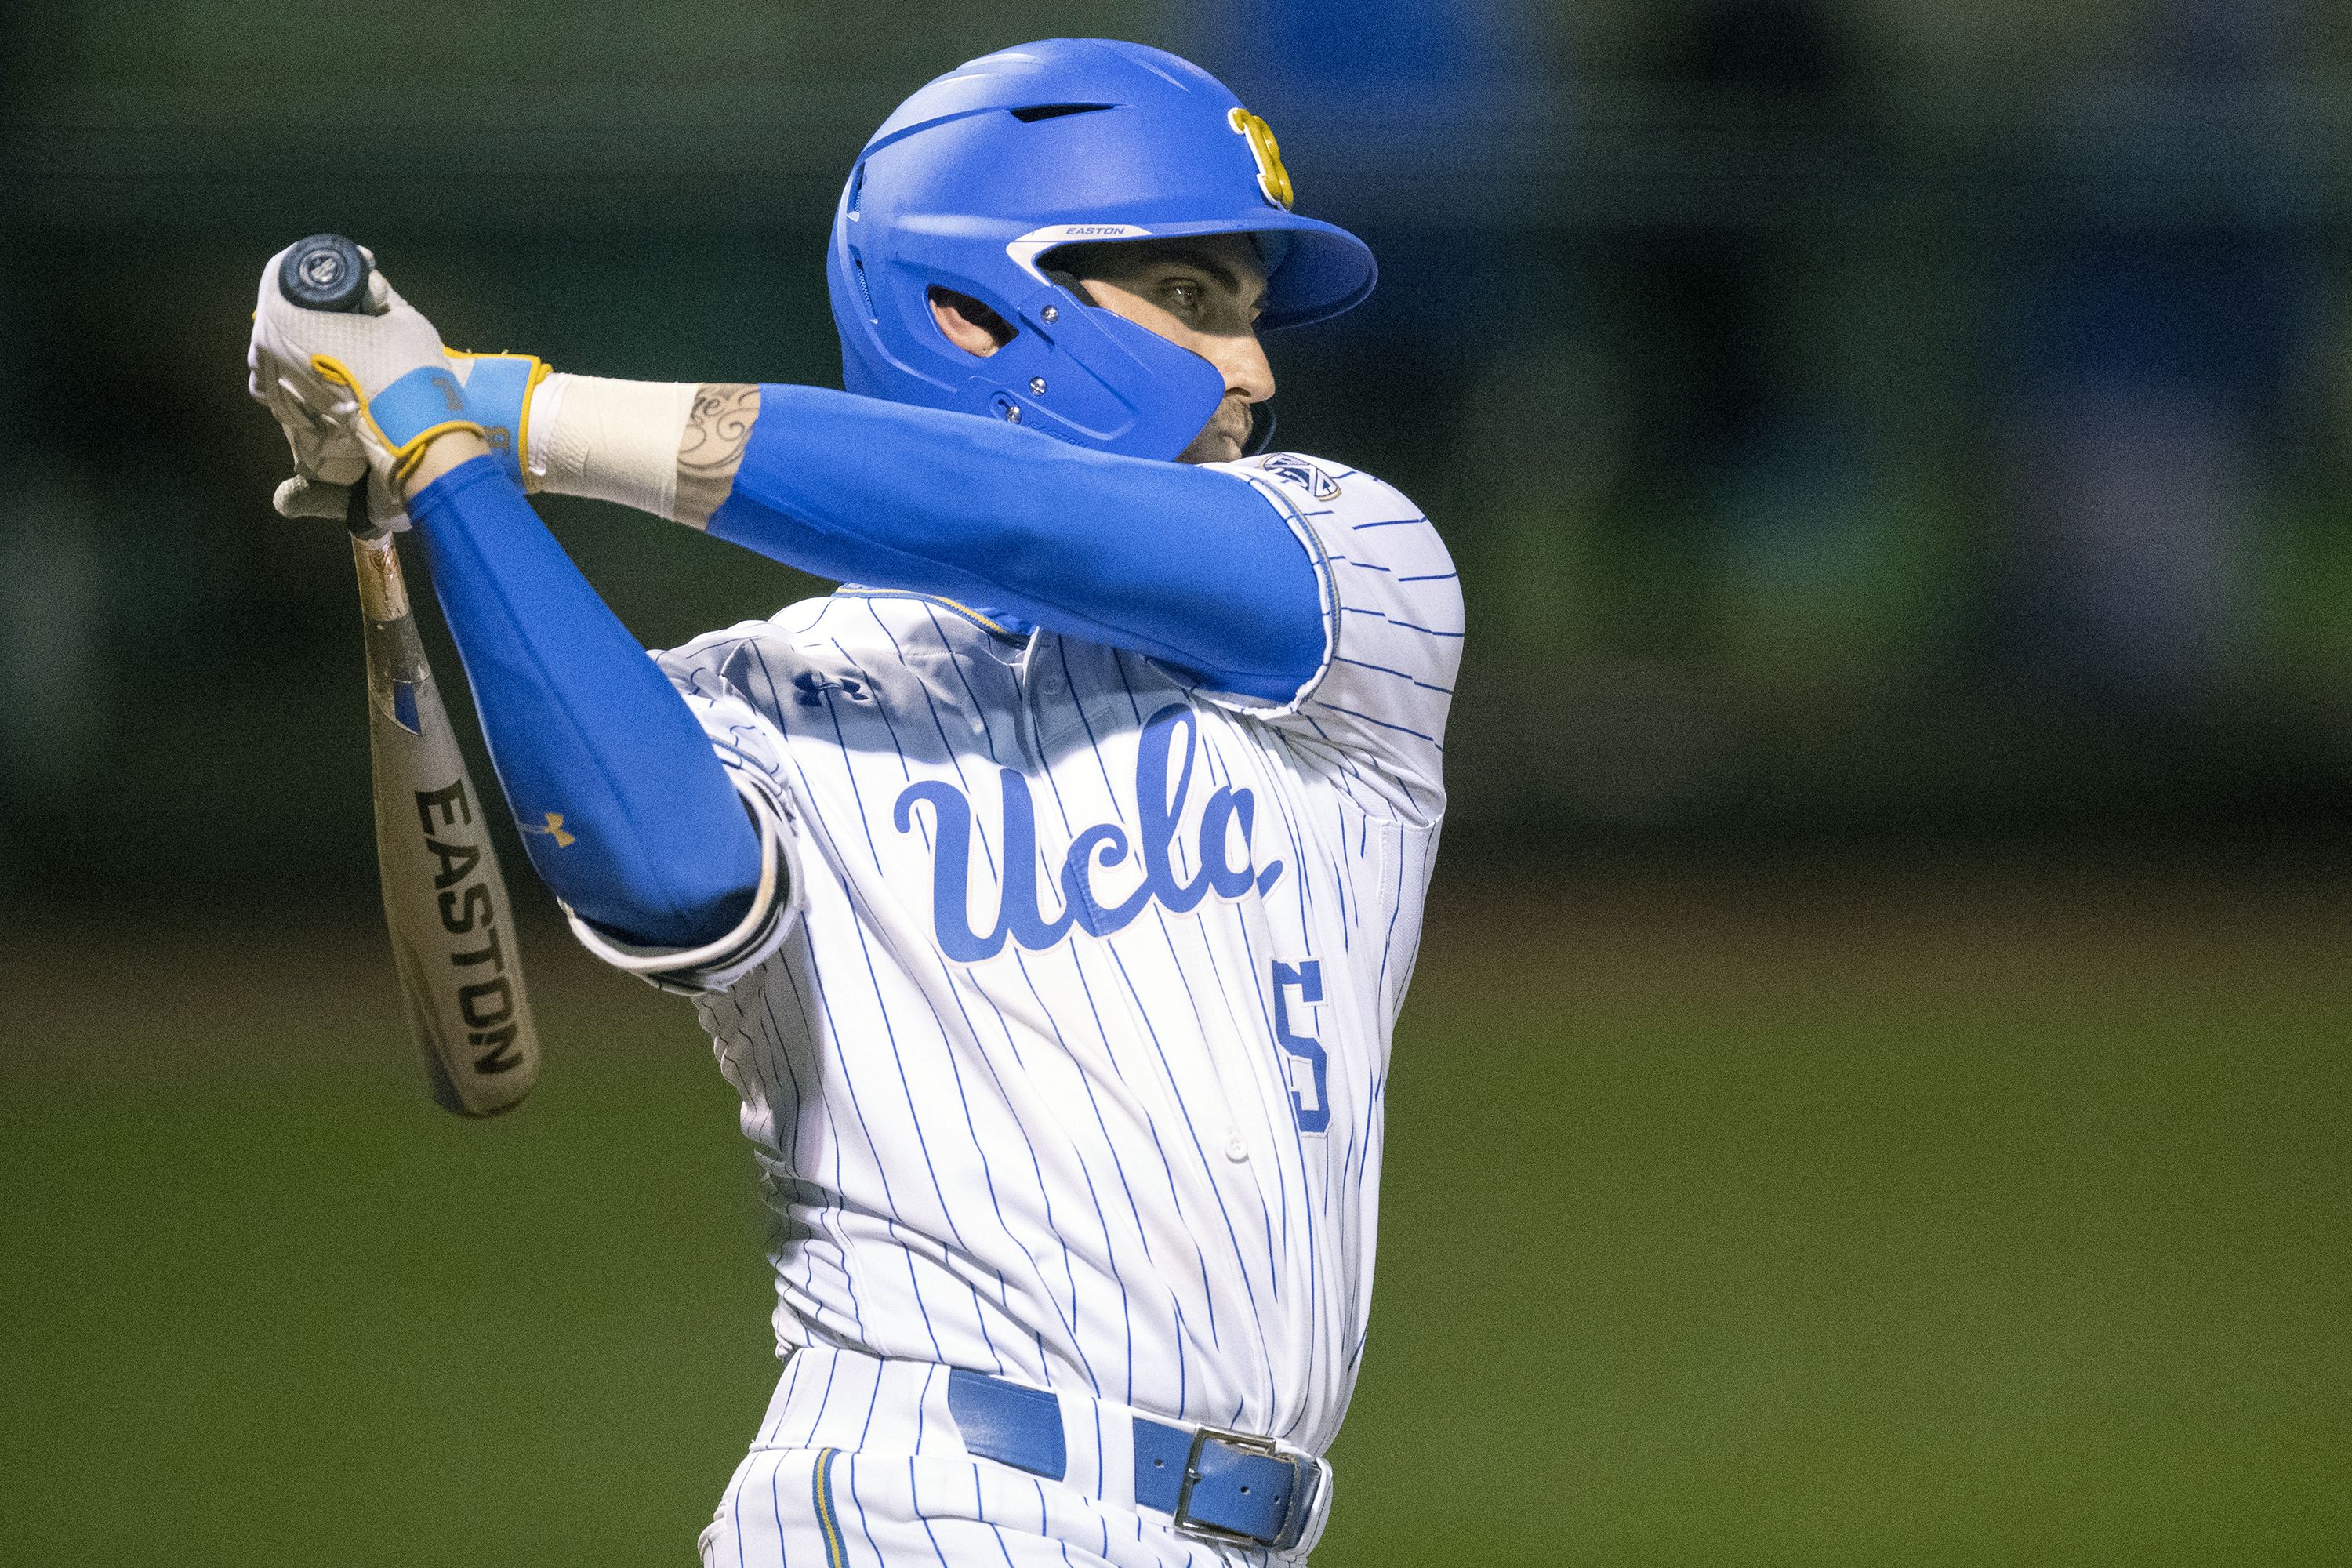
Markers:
point(1249, 1443)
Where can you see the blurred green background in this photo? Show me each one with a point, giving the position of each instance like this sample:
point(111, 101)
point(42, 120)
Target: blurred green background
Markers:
point(1852, 1220)
point(1876, 1086)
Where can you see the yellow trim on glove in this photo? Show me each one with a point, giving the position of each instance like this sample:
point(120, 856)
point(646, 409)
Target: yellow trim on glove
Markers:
point(406, 455)
point(540, 371)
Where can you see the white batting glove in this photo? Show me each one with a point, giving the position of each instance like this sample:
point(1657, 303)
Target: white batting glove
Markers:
point(360, 394)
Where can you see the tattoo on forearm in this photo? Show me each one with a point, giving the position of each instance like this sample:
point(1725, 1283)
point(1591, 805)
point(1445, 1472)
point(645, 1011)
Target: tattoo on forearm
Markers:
point(711, 449)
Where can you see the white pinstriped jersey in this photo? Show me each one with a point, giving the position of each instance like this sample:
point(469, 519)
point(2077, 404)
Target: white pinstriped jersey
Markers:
point(1066, 1062)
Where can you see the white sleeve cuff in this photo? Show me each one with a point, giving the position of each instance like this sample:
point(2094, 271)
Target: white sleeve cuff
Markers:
point(701, 968)
point(1327, 608)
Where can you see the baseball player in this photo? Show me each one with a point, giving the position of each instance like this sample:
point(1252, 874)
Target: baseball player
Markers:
point(1049, 891)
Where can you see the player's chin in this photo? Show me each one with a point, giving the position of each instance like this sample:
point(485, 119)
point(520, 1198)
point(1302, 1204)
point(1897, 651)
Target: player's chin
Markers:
point(1220, 442)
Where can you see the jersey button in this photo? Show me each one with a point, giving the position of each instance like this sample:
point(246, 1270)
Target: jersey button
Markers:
point(1235, 1150)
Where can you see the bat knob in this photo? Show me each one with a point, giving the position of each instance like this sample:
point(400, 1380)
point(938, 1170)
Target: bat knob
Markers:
point(324, 272)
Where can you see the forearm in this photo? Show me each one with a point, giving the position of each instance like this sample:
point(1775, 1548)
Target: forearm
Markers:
point(633, 822)
point(1189, 565)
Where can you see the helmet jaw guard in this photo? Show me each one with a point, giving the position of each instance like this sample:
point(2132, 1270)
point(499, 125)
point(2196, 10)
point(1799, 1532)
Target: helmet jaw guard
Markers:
point(1088, 376)
point(1092, 376)
point(1071, 141)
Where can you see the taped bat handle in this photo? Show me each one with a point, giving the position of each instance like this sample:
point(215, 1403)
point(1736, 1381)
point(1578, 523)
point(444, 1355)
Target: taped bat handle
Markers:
point(324, 272)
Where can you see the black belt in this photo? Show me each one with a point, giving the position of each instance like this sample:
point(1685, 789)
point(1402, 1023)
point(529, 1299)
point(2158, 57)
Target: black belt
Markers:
point(1223, 1486)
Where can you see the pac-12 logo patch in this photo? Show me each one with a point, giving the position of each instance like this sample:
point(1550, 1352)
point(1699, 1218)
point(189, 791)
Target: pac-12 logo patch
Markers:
point(1300, 472)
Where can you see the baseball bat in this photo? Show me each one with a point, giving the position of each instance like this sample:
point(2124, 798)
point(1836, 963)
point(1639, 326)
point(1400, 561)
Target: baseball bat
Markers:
point(444, 900)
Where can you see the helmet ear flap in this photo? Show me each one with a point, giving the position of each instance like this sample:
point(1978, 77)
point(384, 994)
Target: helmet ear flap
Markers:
point(1094, 378)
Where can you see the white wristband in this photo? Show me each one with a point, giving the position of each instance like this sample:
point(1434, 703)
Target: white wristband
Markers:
point(610, 440)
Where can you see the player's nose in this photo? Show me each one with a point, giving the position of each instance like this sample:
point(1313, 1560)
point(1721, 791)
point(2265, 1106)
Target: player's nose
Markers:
point(1241, 359)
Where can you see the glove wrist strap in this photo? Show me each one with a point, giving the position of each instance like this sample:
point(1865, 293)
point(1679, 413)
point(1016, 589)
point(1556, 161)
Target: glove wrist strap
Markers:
point(498, 397)
point(411, 413)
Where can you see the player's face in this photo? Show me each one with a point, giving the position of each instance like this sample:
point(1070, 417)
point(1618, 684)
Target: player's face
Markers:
point(1200, 294)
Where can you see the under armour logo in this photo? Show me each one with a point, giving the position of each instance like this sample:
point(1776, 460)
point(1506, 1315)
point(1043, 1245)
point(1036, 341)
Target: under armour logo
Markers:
point(554, 830)
point(813, 687)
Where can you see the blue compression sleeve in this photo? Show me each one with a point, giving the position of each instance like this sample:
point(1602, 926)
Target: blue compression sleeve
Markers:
point(655, 846)
point(1187, 566)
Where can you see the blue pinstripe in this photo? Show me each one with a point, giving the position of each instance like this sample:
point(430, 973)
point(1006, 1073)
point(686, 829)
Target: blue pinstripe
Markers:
point(1143, 1235)
point(1110, 1248)
point(1070, 1320)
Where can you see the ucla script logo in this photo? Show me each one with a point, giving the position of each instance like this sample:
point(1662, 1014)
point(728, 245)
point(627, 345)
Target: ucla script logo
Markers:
point(1105, 846)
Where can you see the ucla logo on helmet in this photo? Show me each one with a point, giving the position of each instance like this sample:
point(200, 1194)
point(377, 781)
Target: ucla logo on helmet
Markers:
point(1272, 177)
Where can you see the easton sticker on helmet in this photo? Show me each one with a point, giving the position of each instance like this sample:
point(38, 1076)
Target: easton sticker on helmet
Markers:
point(1272, 177)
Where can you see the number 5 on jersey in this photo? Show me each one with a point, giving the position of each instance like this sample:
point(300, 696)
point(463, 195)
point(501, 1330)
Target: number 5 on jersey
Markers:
point(1314, 1115)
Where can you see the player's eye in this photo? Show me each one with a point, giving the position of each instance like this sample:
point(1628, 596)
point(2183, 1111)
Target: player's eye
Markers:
point(1184, 294)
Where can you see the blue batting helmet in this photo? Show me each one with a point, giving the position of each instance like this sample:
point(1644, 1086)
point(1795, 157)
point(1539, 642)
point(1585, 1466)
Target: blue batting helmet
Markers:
point(1070, 141)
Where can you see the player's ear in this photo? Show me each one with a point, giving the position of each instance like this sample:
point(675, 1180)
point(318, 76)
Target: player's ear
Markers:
point(968, 324)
